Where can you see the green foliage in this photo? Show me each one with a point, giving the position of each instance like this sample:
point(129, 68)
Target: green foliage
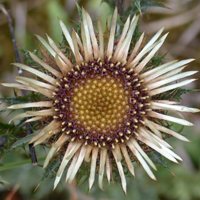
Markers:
point(16, 99)
point(31, 97)
point(10, 134)
point(157, 159)
point(141, 7)
point(135, 7)
point(29, 60)
point(177, 93)
point(51, 170)
point(2, 111)
point(14, 133)
point(22, 142)
point(156, 60)
point(2, 182)
point(79, 11)
point(137, 4)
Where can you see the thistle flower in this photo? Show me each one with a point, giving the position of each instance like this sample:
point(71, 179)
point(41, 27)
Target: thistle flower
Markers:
point(104, 105)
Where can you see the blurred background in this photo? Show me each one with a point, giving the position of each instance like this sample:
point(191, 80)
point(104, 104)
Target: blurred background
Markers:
point(182, 19)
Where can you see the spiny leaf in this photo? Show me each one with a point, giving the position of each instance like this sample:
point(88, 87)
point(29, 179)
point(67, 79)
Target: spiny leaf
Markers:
point(79, 11)
point(11, 130)
point(4, 127)
point(137, 4)
point(136, 35)
point(21, 142)
point(141, 7)
point(29, 60)
point(22, 99)
point(157, 159)
point(3, 111)
point(176, 94)
point(2, 182)
point(156, 60)
point(51, 169)
point(15, 100)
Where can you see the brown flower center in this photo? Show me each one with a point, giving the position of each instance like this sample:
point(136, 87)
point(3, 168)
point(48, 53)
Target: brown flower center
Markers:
point(101, 103)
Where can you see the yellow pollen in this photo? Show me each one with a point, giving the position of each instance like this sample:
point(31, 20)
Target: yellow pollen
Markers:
point(100, 103)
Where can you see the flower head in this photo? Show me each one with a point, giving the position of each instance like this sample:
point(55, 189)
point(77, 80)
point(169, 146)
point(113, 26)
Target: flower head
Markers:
point(104, 105)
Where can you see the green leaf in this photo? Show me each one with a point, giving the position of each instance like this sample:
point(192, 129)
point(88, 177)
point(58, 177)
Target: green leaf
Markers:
point(22, 99)
point(2, 182)
point(156, 60)
point(5, 126)
point(21, 142)
point(51, 170)
point(29, 60)
point(176, 94)
point(3, 111)
point(79, 11)
point(157, 159)
point(15, 100)
point(137, 4)
point(17, 164)
point(141, 7)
